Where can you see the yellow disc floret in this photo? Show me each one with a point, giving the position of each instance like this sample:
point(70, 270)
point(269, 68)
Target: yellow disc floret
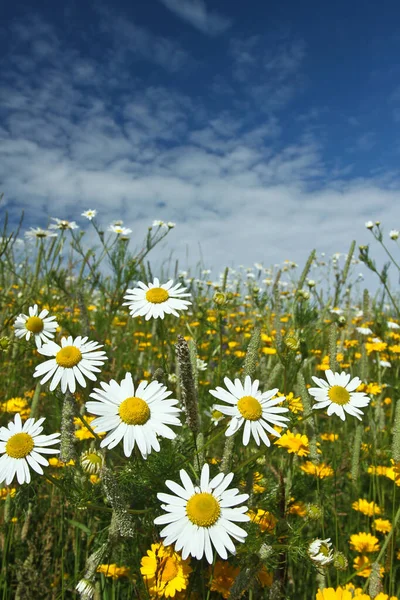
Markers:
point(34, 324)
point(250, 408)
point(203, 509)
point(20, 445)
point(134, 411)
point(68, 357)
point(339, 395)
point(157, 295)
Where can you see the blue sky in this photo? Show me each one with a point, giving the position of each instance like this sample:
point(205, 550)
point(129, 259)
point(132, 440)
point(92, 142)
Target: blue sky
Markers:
point(262, 129)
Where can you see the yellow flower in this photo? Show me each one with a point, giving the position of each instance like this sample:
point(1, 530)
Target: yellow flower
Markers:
point(364, 542)
point(370, 388)
point(265, 578)
point(4, 492)
point(295, 404)
point(362, 564)
point(297, 507)
point(56, 462)
point(223, 577)
point(375, 347)
point(83, 433)
point(17, 404)
point(164, 571)
point(264, 519)
point(338, 594)
point(329, 437)
point(383, 525)
point(321, 471)
point(114, 571)
point(267, 350)
point(295, 443)
point(366, 508)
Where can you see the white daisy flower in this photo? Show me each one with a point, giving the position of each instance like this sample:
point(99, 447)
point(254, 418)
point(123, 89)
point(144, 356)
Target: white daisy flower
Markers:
point(38, 232)
point(63, 224)
point(120, 230)
point(73, 360)
point(320, 551)
point(85, 588)
point(393, 325)
point(158, 223)
point(137, 417)
point(255, 409)
point(155, 300)
point(364, 330)
point(394, 234)
point(369, 225)
point(39, 325)
point(89, 214)
point(199, 517)
point(338, 395)
point(22, 446)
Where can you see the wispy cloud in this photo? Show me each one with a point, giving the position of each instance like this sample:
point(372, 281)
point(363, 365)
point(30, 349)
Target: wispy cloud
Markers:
point(197, 14)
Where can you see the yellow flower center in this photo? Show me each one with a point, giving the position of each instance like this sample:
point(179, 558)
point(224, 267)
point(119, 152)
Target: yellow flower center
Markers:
point(157, 295)
point(94, 459)
point(324, 549)
point(20, 445)
point(68, 357)
point(34, 324)
point(216, 414)
point(203, 509)
point(168, 569)
point(250, 408)
point(339, 395)
point(134, 411)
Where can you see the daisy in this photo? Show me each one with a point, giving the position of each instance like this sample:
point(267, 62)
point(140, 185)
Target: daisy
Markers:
point(338, 395)
point(63, 224)
point(39, 325)
point(320, 551)
point(73, 360)
point(137, 417)
point(255, 409)
point(89, 214)
point(38, 232)
point(154, 300)
point(199, 517)
point(22, 447)
point(120, 230)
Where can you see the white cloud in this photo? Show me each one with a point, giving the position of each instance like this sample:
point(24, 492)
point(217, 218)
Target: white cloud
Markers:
point(196, 13)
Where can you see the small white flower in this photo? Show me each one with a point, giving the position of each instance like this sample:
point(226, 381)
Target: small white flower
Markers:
point(89, 214)
point(119, 230)
point(39, 325)
point(22, 446)
point(394, 234)
point(73, 360)
point(369, 225)
point(385, 363)
point(159, 224)
point(393, 325)
point(364, 330)
point(171, 225)
point(201, 365)
point(320, 551)
point(136, 417)
point(38, 232)
point(251, 408)
point(338, 395)
point(199, 517)
point(63, 224)
point(153, 300)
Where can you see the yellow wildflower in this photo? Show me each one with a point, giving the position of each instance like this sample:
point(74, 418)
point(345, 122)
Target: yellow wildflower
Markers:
point(383, 525)
point(295, 443)
point(321, 471)
point(164, 571)
point(366, 508)
point(364, 542)
point(265, 520)
point(223, 577)
point(114, 571)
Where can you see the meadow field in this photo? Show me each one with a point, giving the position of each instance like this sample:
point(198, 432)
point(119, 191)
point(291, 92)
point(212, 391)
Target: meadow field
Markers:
point(166, 435)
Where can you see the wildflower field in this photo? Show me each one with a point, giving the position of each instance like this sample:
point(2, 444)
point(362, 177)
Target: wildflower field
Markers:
point(169, 436)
